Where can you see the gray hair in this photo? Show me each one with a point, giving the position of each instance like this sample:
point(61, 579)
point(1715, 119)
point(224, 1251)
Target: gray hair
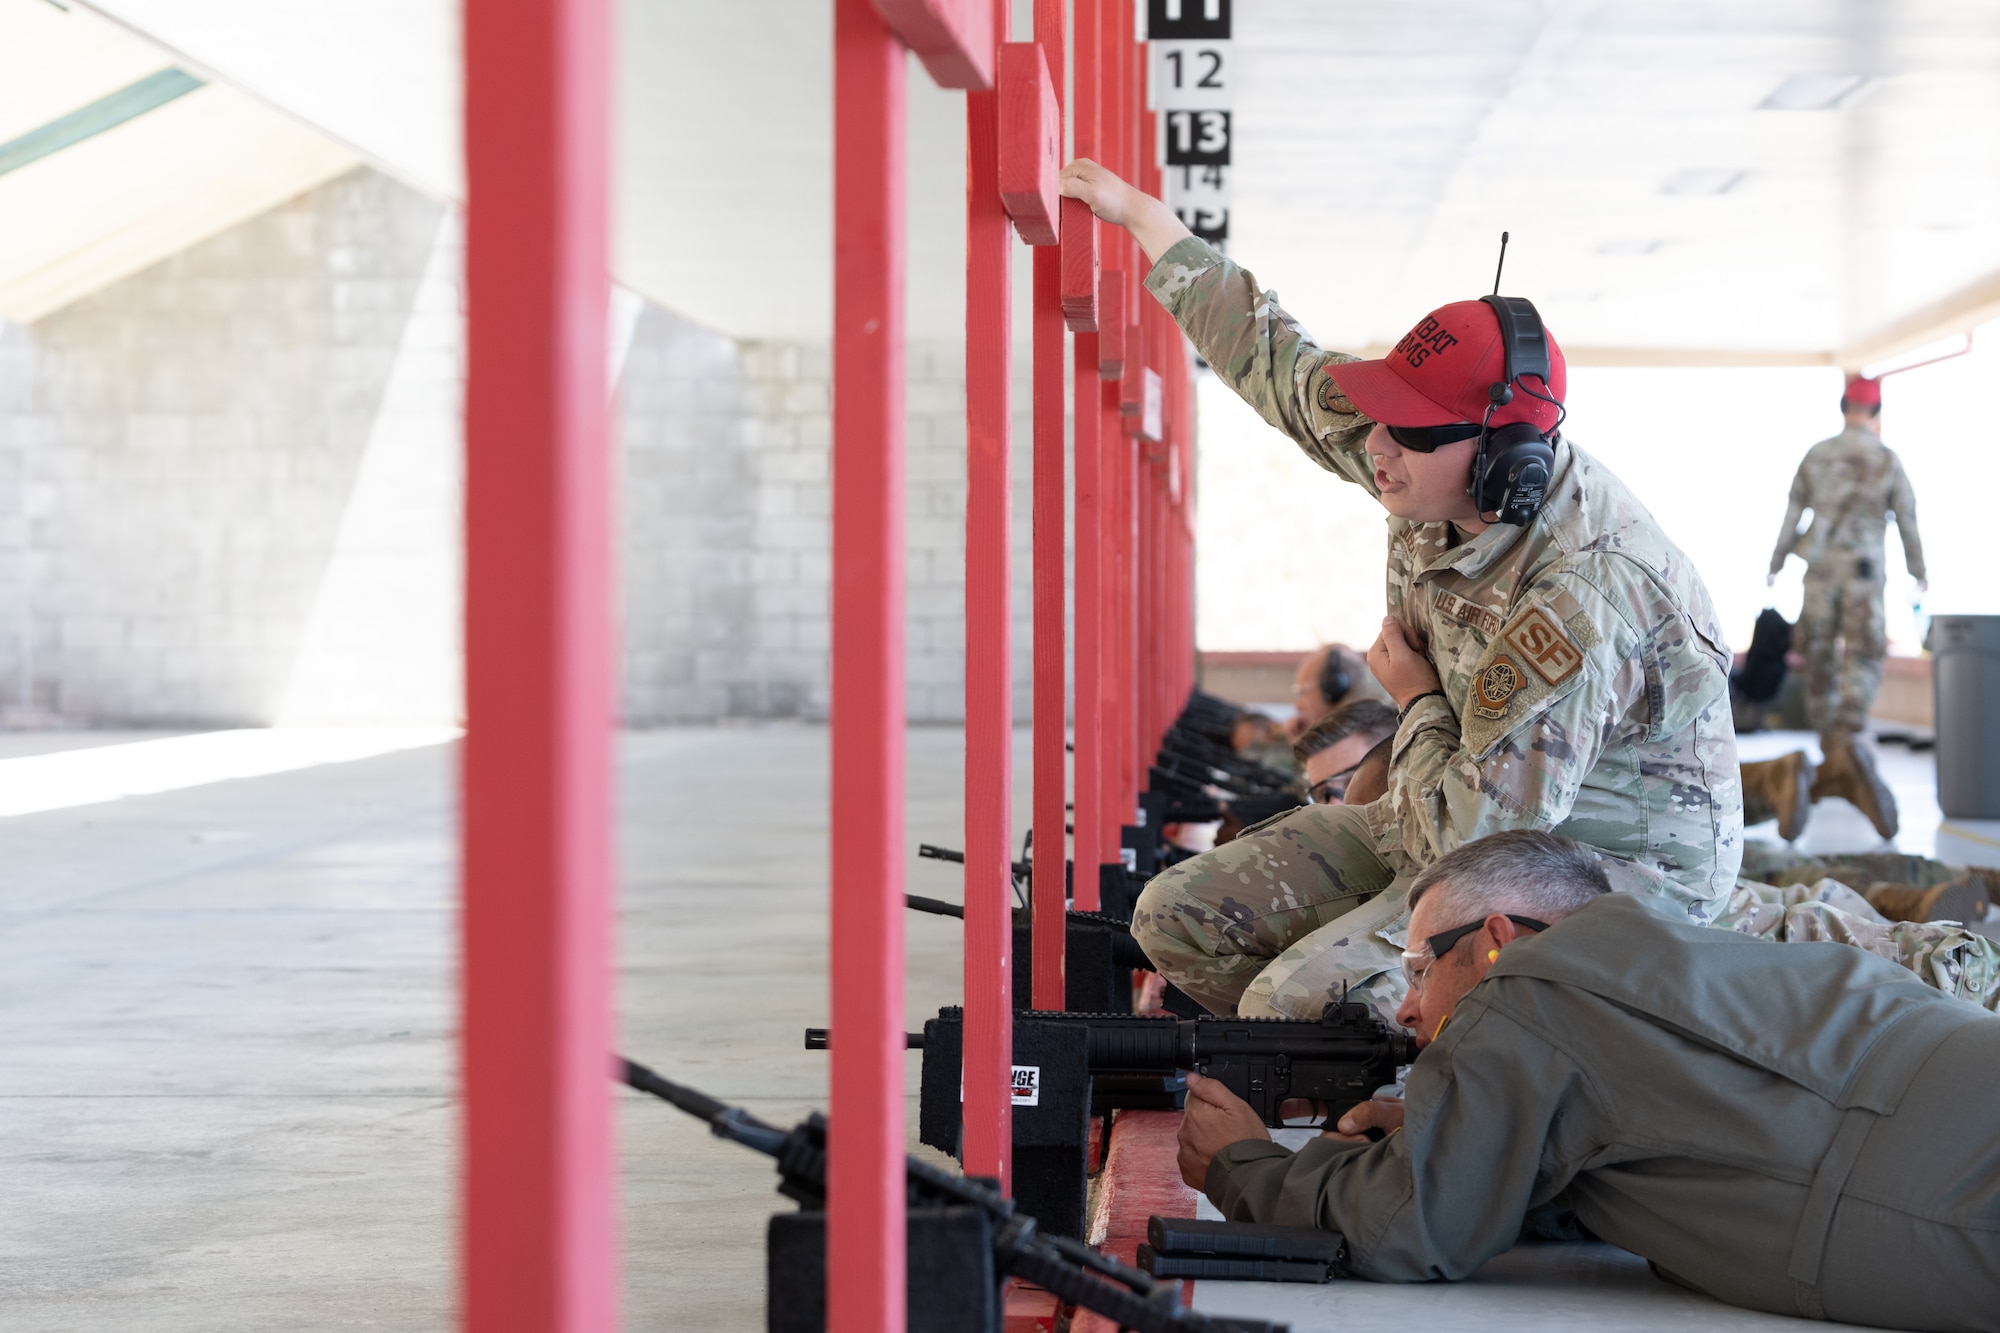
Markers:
point(1356, 717)
point(1542, 875)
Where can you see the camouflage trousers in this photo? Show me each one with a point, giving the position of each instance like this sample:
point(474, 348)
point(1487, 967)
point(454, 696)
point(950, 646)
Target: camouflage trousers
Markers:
point(1298, 909)
point(1771, 864)
point(1214, 923)
point(1955, 960)
point(1841, 635)
point(1301, 908)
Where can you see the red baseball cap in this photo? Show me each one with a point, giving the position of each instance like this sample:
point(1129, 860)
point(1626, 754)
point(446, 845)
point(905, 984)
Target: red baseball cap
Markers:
point(1860, 392)
point(1443, 371)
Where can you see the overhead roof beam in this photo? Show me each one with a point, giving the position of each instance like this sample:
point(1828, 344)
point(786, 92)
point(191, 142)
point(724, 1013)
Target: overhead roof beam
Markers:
point(106, 113)
point(1960, 312)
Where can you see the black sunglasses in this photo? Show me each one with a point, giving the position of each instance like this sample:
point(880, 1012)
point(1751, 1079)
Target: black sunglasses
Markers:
point(1442, 943)
point(1426, 439)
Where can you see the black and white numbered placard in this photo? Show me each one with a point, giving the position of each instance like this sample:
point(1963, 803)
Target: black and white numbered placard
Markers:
point(1192, 81)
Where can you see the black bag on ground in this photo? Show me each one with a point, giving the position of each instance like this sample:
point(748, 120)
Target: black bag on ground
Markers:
point(1763, 669)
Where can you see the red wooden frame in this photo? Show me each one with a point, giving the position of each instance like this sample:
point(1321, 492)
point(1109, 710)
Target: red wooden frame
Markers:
point(536, 1208)
point(539, 1236)
point(1030, 143)
point(951, 37)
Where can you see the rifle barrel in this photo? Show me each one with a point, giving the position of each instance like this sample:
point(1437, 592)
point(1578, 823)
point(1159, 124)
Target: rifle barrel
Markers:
point(697, 1104)
point(817, 1038)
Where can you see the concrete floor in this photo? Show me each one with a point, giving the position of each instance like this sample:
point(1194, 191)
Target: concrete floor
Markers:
point(226, 1078)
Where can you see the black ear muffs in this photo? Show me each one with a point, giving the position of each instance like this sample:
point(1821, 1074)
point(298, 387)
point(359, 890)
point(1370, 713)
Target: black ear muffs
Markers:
point(1333, 681)
point(1510, 477)
point(1510, 474)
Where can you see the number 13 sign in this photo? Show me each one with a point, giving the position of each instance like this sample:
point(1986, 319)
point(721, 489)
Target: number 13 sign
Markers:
point(1193, 86)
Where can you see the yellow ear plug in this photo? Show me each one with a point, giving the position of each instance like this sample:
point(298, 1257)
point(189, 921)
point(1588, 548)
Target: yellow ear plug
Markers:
point(1491, 954)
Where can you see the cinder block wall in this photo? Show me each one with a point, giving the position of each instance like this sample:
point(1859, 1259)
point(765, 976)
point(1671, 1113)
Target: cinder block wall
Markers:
point(727, 507)
point(184, 445)
point(229, 494)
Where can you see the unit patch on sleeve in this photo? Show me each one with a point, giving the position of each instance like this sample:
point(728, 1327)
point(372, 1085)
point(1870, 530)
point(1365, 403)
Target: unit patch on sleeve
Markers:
point(1541, 641)
point(1495, 686)
point(1331, 399)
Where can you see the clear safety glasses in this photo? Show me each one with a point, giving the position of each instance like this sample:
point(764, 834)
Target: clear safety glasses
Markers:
point(1416, 965)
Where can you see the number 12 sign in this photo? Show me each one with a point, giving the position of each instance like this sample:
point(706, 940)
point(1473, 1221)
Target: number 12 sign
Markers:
point(1193, 85)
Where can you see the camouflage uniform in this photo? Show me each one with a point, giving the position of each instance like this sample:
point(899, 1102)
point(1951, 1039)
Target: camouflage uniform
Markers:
point(1850, 482)
point(1585, 690)
point(1306, 976)
point(1943, 953)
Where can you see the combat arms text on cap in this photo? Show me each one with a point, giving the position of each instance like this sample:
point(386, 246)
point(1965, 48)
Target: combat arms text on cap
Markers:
point(1442, 372)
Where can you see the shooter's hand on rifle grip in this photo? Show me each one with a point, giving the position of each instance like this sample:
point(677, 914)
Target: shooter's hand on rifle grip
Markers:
point(1215, 1118)
point(1370, 1121)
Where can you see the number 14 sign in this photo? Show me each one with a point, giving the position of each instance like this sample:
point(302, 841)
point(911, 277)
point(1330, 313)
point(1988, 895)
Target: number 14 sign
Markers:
point(1192, 81)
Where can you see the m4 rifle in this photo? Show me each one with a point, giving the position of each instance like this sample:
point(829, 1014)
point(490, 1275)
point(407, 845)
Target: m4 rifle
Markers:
point(1072, 1272)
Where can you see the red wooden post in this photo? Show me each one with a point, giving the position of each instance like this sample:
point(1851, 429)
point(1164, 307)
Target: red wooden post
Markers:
point(1079, 258)
point(1030, 142)
point(864, 1261)
point(1050, 506)
point(1086, 840)
point(1147, 722)
point(1110, 471)
point(537, 1193)
point(1135, 361)
point(989, 713)
point(539, 1233)
point(1114, 324)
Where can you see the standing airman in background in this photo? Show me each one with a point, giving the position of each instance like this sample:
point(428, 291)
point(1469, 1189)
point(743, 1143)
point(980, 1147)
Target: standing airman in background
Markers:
point(1852, 483)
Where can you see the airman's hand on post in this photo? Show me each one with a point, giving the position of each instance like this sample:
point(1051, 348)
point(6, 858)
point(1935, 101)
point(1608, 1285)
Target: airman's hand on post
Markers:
point(1108, 196)
point(1153, 225)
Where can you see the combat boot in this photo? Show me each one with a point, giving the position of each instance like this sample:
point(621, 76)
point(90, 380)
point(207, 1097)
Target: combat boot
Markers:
point(1780, 787)
point(1963, 899)
point(1847, 769)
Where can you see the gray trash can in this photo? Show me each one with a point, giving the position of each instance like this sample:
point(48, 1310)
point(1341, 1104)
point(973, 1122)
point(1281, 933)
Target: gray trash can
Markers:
point(1965, 665)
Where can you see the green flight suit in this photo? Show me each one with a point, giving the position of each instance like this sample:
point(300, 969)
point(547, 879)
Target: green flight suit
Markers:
point(1801, 1128)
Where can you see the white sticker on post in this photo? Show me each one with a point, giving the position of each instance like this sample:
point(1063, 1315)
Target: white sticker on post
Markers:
point(1027, 1085)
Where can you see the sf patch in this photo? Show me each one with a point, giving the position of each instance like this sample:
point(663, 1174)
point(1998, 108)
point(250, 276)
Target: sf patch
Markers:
point(1495, 686)
point(1543, 645)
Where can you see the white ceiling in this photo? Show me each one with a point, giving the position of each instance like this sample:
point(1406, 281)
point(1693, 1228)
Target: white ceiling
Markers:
point(724, 137)
point(1381, 147)
point(126, 198)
